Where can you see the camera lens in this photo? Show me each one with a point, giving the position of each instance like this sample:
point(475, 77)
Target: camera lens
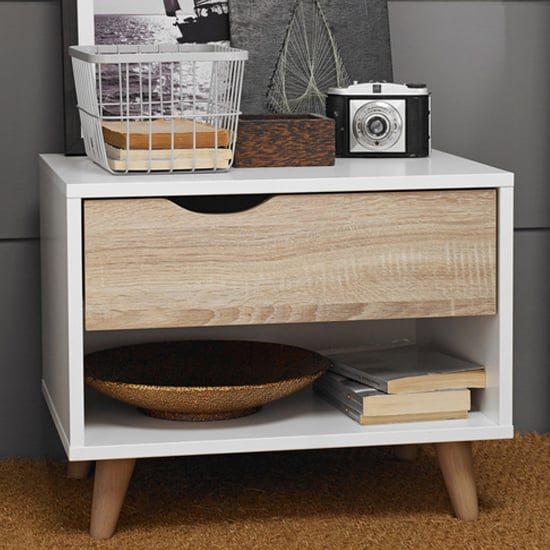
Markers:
point(377, 126)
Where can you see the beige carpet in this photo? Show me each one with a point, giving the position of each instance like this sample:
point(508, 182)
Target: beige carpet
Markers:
point(343, 498)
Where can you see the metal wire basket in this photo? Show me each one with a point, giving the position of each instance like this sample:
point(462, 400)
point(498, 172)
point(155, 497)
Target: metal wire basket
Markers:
point(163, 107)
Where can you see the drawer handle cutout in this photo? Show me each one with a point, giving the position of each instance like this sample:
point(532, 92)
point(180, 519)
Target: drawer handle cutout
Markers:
point(219, 204)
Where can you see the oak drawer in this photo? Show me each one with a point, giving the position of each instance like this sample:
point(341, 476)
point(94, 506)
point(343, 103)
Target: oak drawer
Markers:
point(293, 258)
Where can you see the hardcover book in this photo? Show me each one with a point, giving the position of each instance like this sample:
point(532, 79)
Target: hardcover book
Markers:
point(372, 402)
point(178, 133)
point(409, 369)
point(386, 419)
point(166, 159)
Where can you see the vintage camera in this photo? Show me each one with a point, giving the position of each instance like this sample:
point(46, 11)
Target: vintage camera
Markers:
point(381, 119)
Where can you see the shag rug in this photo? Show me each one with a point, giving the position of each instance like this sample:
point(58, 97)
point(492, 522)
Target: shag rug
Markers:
point(355, 498)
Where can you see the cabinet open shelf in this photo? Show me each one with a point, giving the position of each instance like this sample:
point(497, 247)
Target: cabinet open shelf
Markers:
point(300, 421)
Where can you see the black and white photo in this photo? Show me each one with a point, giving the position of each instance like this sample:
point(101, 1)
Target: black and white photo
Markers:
point(160, 21)
point(134, 22)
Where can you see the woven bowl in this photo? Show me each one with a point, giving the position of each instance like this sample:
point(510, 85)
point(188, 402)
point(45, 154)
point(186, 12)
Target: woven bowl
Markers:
point(202, 379)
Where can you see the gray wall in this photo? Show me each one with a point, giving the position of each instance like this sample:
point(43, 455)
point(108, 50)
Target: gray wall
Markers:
point(31, 105)
point(487, 66)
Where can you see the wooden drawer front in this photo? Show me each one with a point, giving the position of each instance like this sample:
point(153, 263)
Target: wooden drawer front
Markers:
point(294, 258)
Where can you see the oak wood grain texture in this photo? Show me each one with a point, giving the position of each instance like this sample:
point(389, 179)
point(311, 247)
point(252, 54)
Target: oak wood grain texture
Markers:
point(163, 134)
point(455, 461)
point(111, 481)
point(167, 159)
point(294, 258)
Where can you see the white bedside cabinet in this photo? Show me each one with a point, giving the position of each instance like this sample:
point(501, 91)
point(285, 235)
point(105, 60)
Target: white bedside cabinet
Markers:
point(365, 251)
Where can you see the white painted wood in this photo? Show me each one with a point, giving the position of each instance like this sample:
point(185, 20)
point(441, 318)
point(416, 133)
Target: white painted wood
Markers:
point(75, 318)
point(62, 330)
point(506, 303)
point(81, 178)
point(300, 421)
point(59, 423)
point(473, 338)
point(106, 429)
point(85, 20)
point(55, 327)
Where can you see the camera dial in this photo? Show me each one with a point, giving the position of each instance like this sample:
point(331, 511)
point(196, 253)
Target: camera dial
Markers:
point(377, 125)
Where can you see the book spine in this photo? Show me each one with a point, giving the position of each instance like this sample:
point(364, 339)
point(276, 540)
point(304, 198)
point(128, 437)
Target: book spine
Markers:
point(388, 405)
point(359, 376)
point(335, 402)
point(388, 419)
point(334, 387)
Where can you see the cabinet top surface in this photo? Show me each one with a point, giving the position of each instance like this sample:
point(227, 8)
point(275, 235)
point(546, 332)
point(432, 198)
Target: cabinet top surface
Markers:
point(78, 177)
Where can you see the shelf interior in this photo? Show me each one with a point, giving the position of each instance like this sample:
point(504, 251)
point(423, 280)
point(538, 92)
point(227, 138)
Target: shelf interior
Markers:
point(300, 421)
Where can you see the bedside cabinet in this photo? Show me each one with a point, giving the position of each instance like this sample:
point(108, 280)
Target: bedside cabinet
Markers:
point(364, 252)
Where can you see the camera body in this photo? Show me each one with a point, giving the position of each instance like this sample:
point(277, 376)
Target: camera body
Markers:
point(381, 119)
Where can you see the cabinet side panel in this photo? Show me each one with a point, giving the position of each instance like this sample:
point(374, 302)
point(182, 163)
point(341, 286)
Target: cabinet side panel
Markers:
point(506, 302)
point(53, 258)
point(475, 339)
point(61, 322)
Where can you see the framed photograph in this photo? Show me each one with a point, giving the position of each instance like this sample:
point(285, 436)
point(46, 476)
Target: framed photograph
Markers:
point(88, 22)
point(73, 15)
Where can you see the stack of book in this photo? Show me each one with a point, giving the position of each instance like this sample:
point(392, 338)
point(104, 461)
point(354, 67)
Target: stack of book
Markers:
point(179, 144)
point(402, 384)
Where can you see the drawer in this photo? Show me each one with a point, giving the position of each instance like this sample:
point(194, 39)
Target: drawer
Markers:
point(293, 258)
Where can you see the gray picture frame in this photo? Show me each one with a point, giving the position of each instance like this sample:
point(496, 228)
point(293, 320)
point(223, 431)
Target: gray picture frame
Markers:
point(74, 145)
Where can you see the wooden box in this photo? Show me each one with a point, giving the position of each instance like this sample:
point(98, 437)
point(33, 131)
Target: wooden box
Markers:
point(285, 140)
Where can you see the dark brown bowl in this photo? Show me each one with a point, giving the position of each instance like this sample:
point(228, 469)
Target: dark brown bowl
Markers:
point(202, 379)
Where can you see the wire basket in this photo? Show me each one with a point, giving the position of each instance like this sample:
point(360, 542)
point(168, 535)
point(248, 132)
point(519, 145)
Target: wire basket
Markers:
point(163, 107)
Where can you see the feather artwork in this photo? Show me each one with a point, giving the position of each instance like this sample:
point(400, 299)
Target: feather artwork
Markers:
point(300, 48)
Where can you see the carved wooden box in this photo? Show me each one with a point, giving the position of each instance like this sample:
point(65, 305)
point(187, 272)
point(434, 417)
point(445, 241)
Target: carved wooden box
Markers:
point(284, 140)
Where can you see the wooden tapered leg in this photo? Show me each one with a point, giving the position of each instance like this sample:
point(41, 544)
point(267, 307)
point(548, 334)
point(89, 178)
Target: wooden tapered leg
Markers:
point(406, 453)
point(78, 469)
point(110, 485)
point(455, 461)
